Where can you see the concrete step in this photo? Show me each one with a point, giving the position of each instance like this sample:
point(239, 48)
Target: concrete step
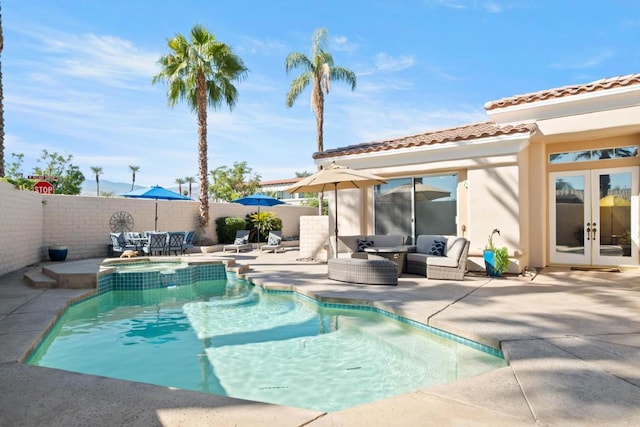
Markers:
point(37, 279)
point(71, 279)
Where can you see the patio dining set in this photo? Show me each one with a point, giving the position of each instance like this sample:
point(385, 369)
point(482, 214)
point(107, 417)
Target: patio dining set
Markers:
point(152, 242)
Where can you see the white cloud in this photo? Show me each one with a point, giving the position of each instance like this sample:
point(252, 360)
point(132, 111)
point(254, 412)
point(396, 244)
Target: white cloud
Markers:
point(265, 47)
point(342, 44)
point(584, 63)
point(385, 62)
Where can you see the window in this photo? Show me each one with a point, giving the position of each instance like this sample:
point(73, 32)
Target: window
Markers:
point(416, 205)
point(590, 155)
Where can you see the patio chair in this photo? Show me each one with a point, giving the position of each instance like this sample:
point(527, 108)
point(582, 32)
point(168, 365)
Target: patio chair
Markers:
point(157, 244)
point(120, 244)
point(274, 242)
point(175, 241)
point(240, 243)
point(189, 241)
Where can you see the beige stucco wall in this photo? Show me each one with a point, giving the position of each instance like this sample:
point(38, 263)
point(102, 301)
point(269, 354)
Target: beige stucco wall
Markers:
point(31, 222)
point(21, 224)
point(314, 236)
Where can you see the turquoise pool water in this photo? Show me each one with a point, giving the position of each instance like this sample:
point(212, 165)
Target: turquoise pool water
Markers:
point(228, 338)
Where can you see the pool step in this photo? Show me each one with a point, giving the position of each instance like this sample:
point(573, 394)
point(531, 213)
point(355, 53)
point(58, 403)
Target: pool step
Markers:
point(79, 275)
point(71, 279)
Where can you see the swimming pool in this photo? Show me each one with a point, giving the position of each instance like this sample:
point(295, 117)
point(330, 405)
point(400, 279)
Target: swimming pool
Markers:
point(230, 338)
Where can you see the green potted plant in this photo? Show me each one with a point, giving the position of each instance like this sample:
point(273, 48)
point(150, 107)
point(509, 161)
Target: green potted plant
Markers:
point(496, 260)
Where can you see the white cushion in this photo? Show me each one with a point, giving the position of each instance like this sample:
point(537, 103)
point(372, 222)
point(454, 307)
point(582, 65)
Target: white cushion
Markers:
point(455, 245)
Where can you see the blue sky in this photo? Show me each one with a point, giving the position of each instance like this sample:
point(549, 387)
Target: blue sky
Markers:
point(77, 74)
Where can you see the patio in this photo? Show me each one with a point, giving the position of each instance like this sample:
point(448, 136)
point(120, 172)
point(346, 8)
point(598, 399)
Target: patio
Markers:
point(572, 339)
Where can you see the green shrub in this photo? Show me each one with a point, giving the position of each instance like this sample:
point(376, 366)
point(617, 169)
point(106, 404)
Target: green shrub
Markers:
point(262, 222)
point(227, 226)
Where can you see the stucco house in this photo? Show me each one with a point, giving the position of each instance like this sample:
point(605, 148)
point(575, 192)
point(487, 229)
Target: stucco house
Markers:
point(556, 171)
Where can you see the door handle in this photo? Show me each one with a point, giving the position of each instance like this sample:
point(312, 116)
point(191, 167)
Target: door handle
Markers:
point(588, 231)
point(594, 229)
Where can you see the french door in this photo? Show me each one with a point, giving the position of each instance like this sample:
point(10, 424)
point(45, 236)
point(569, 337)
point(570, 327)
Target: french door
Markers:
point(594, 217)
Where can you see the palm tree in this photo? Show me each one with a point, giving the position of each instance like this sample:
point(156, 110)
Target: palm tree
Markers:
point(134, 169)
point(180, 181)
point(190, 180)
point(1, 105)
point(201, 70)
point(97, 170)
point(317, 70)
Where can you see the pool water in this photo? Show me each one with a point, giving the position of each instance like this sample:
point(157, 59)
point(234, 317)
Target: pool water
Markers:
point(229, 338)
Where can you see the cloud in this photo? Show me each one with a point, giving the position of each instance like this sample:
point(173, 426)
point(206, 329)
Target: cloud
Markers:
point(385, 62)
point(342, 44)
point(266, 47)
point(576, 63)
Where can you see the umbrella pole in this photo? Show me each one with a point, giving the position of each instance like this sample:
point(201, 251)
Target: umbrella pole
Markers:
point(156, 221)
point(335, 196)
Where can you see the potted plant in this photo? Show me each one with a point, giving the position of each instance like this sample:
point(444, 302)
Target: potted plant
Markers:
point(58, 253)
point(496, 260)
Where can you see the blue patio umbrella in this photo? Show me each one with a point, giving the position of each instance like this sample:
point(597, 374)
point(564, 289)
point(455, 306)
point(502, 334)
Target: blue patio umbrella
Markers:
point(258, 199)
point(155, 192)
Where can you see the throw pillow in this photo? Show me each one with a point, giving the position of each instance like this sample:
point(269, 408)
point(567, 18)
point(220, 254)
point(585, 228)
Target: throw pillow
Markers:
point(241, 240)
point(362, 244)
point(437, 248)
point(273, 240)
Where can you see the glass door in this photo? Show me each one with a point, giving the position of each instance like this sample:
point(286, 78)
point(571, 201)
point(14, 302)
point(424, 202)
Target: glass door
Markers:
point(593, 217)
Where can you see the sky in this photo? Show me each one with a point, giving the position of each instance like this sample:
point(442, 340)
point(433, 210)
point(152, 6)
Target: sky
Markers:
point(77, 74)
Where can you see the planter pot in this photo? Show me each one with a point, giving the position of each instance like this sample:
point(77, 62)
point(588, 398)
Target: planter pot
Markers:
point(58, 253)
point(490, 263)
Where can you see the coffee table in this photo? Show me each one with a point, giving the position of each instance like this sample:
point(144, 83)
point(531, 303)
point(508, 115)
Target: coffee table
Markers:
point(397, 254)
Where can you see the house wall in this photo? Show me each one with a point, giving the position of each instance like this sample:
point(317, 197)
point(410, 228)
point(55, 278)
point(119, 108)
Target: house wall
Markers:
point(314, 237)
point(30, 222)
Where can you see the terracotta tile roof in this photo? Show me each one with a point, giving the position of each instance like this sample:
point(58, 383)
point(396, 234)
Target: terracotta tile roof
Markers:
point(462, 133)
point(598, 85)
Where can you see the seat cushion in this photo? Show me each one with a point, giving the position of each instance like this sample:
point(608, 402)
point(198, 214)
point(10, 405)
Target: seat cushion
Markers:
point(442, 261)
point(273, 240)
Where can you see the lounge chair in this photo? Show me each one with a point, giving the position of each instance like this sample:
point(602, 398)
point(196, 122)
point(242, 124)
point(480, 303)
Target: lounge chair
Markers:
point(240, 243)
point(274, 242)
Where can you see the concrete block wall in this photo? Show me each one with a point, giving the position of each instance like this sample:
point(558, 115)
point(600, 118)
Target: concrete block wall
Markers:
point(20, 228)
point(314, 237)
point(31, 222)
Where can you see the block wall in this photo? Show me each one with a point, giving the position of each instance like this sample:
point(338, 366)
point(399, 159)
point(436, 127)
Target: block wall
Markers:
point(30, 222)
point(314, 237)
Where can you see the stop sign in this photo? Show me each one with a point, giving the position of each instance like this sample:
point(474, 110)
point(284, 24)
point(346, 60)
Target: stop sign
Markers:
point(43, 187)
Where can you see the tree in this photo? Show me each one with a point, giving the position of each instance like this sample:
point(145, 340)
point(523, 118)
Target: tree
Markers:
point(190, 180)
point(69, 176)
point(134, 169)
point(317, 70)
point(180, 181)
point(201, 71)
point(2, 171)
point(230, 184)
point(97, 171)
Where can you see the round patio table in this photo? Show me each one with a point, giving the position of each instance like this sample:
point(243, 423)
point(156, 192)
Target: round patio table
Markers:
point(397, 254)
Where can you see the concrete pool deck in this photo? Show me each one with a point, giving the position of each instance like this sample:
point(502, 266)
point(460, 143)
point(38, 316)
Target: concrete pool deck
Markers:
point(572, 339)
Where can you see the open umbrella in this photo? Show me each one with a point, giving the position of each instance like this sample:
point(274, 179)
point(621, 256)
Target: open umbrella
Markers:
point(423, 192)
point(155, 192)
point(258, 199)
point(334, 178)
point(611, 201)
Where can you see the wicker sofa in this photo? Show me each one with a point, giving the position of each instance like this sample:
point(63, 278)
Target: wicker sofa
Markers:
point(348, 245)
point(439, 257)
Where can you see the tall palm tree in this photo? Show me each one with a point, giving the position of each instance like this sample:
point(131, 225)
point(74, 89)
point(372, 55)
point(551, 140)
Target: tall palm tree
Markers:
point(134, 169)
point(180, 181)
point(317, 70)
point(1, 104)
point(190, 180)
point(97, 170)
point(201, 70)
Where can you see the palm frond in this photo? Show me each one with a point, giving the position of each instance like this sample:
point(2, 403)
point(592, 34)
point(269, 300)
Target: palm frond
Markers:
point(344, 75)
point(297, 60)
point(297, 87)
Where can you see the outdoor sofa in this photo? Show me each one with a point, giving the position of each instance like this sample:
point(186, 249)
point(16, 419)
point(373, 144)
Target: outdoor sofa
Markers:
point(438, 257)
point(363, 268)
